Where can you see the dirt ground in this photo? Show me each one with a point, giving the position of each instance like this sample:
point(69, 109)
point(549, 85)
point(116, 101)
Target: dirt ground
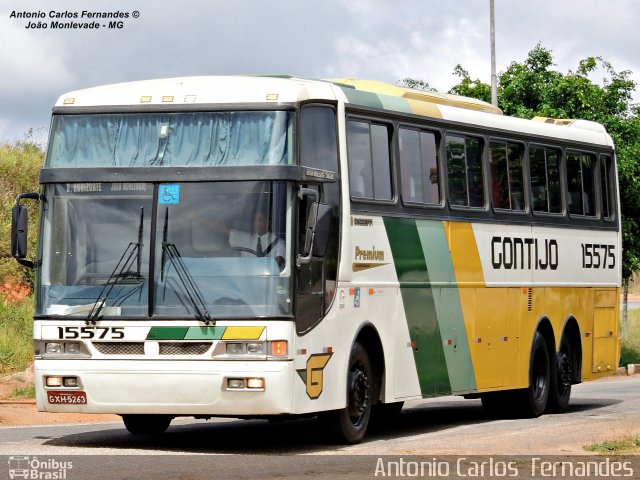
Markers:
point(16, 412)
point(23, 412)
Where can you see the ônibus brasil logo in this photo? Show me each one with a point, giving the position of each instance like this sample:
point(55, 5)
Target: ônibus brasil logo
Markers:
point(36, 469)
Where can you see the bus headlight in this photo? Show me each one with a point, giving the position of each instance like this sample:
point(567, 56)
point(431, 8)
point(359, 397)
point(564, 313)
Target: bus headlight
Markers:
point(256, 348)
point(253, 350)
point(236, 348)
point(61, 349)
point(53, 348)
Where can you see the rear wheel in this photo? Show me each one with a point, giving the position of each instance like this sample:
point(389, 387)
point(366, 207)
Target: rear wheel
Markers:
point(534, 399)
point(146, 424)
point(561, 378)
point(350, 423)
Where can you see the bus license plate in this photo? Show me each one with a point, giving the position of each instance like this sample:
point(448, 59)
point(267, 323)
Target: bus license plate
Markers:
point(67, 398)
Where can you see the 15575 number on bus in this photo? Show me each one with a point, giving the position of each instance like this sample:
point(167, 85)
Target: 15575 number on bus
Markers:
point(110, 333)
point(595, 255)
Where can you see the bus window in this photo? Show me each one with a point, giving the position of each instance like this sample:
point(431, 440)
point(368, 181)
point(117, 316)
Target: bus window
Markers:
point(544, 164)
point(319, 145)
point(580, 183)
point(607, 186)
point(369, 160)
point(553, 177)
point(506, 176)
point(419, 166)
point(464, 170)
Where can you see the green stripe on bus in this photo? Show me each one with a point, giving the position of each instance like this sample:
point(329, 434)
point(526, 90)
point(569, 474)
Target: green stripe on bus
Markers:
point(185, 333)
point(397, 104)
point(419, 306)
point(366, 99)
point(447, 304)
point(167, 333)
point(205, 333)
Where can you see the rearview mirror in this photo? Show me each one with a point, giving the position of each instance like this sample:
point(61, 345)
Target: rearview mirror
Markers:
point(317, 229)
point(19, 223)
point(321, 236)
point(19, 228)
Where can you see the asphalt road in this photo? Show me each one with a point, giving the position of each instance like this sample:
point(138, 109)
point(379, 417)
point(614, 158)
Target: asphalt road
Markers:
point(223, 448)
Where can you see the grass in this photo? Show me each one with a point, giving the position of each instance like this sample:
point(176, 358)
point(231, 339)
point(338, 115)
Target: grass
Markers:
point(16, 344)
point(630, 348)
point(627, 445)
point(19, 168)
point(26, 392)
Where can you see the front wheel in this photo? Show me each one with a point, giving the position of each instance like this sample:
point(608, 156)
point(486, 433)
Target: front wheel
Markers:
point(351, 422)
point(146, 424)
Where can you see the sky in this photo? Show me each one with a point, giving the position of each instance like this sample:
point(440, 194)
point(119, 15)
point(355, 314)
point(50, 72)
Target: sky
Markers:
point(385, 40)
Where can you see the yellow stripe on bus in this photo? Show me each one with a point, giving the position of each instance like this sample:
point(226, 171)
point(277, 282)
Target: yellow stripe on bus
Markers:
point(243, 333)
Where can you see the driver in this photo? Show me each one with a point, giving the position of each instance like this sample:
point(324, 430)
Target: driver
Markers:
point(260, 242)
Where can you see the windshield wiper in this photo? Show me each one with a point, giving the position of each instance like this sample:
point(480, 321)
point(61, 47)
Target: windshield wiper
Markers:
point(170, 251)
point(122, 271)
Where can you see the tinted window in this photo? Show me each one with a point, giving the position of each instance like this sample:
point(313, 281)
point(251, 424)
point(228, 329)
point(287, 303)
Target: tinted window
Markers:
point(581, 184)
point(506, 176)
point(419, 166)
point(464, 171)
point(319, 146)
point(544, 164)
point(607, 184)
point(369, 160)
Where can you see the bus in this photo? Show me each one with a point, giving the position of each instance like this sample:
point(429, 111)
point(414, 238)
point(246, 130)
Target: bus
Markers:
point(278, 247)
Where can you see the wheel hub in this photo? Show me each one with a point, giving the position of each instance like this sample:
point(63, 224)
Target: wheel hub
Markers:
point(358, 393)
point(563, 363)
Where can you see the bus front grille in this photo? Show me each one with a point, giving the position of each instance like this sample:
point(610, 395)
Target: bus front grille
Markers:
point(184, 348)
point(120, 348)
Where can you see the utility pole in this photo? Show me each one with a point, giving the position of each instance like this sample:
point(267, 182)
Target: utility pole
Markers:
point(494, 79)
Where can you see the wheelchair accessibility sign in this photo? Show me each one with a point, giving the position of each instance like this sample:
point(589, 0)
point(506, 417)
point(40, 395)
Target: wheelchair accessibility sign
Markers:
point(169, 194)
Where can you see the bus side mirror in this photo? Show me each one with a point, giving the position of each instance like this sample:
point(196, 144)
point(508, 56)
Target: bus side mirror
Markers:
point(19, 229)
point(316, 230)
point(321, 236)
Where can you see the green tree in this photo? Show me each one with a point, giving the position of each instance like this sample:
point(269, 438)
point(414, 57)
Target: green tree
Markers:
point(535, 88)
point(417, 84)
point(470, 88)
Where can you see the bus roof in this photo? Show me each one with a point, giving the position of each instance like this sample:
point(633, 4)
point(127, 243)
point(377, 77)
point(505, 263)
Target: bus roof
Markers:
point(228, 90)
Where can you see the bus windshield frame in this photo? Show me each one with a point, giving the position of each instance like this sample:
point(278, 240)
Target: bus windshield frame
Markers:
point(135, 250)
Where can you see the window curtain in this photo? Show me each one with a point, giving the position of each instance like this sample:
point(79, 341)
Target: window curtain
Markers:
point(184, 139)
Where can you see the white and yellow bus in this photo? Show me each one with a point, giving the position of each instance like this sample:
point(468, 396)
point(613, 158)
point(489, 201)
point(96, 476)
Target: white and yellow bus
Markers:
point(275, 246)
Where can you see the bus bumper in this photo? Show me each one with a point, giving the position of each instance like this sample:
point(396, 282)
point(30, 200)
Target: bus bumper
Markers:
point(159, 387)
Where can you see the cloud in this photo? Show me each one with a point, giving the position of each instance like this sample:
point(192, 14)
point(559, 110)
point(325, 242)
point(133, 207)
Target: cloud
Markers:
point(28, 57)
point(375, 39)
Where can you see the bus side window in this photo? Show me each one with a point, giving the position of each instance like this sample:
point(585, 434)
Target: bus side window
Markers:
point(369, 160)
point(544, 167)
point(464, 171)
point(581, 184)
point(506, 176)
point(419, 166)
point(607, 185)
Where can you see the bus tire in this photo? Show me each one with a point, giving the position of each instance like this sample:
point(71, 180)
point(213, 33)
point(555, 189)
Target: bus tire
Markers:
point(350, 423)
point(561, 377)
point(534, 399)
point(146, 424)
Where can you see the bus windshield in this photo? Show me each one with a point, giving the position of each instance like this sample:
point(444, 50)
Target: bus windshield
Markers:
point(220, 248)
point(171, 139)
